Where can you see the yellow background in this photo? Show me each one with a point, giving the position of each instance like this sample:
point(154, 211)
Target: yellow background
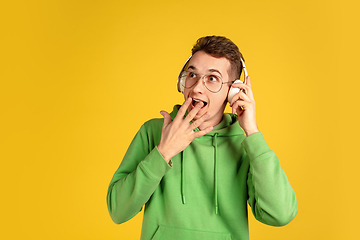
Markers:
point(78, 78)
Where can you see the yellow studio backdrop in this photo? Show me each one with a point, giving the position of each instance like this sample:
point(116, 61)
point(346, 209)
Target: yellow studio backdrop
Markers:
point(78, 78)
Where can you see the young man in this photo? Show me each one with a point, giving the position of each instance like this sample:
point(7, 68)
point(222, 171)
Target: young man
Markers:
point(196, 169)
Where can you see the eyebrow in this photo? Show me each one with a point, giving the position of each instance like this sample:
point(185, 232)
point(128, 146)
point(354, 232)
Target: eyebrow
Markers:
point(210, 70)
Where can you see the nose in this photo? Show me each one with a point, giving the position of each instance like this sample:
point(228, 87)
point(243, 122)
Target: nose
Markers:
point(199, 86)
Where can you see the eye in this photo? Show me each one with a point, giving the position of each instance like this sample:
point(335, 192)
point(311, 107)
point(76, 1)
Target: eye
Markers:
point(192, 75)
point(213, 78)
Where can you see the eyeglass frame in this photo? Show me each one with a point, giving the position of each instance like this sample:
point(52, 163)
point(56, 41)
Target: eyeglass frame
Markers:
point(183, 79)
point(180, 88)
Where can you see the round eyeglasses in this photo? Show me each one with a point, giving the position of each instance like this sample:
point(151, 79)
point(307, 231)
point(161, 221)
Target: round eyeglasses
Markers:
point(212, 82)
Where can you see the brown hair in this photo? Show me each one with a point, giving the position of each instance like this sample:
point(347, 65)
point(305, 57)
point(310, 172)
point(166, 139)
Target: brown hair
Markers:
point(218, 46)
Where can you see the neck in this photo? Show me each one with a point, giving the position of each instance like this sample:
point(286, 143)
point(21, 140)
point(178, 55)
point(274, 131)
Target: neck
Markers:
point(211, 123)
point(214, 120)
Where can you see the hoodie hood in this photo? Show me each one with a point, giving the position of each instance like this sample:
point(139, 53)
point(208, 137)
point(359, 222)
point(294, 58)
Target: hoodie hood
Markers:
point(227, 128)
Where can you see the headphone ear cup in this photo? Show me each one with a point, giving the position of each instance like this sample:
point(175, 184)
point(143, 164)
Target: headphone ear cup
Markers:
point(233, 91)
point(180, 85)
point(180, 80)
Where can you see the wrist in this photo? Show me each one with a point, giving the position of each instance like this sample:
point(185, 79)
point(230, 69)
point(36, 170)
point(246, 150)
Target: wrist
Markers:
point(163, 153)
point(250, 132)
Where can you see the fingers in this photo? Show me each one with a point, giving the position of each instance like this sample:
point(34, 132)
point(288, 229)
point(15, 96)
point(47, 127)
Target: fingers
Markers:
point(182, 109)
point(199, 121)
point(242, 100)
point(190, 116)
point(240, 96)
point(185, 126)
point(245, 87)
point(247, 81)
point(193, 112)
point(238, 105)
point(167, 118)
point(202, 132)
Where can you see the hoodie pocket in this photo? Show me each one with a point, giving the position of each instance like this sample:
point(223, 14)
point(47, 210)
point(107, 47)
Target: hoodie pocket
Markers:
point(174, 233)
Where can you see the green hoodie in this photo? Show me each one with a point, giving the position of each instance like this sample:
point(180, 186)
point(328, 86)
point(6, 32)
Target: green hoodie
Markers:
point(203, 192)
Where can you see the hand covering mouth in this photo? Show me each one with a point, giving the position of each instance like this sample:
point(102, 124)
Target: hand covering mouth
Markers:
point(197, 101)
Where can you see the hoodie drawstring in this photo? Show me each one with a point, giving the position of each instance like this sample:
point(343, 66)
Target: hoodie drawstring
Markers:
point(215, 173)
point(182, 178)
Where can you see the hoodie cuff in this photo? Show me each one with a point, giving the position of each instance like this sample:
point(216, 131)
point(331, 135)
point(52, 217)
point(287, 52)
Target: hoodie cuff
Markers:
point(155, 165)
point(255, 145)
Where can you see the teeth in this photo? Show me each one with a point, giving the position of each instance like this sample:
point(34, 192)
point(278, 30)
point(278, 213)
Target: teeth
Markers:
point(197, 101)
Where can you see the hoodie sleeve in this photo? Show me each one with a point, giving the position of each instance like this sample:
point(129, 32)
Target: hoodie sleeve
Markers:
point(137, 177)
point(271, 197)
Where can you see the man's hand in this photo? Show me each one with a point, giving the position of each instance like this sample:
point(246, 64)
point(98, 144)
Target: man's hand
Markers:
point(178, 134)
point(243, 104)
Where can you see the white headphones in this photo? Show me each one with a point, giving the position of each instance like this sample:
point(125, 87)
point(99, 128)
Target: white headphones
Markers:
point(232, 91)
point(181, 80)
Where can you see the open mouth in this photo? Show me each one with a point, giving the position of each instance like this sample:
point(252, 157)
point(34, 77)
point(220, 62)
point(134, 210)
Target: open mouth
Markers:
point(196, 101)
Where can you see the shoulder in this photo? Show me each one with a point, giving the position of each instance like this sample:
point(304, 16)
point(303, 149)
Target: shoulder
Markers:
point(151, 130)
point(153, 126)
point(154, 123)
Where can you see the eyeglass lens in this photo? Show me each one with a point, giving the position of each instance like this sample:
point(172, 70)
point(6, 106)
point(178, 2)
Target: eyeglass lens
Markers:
point(212, 82)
